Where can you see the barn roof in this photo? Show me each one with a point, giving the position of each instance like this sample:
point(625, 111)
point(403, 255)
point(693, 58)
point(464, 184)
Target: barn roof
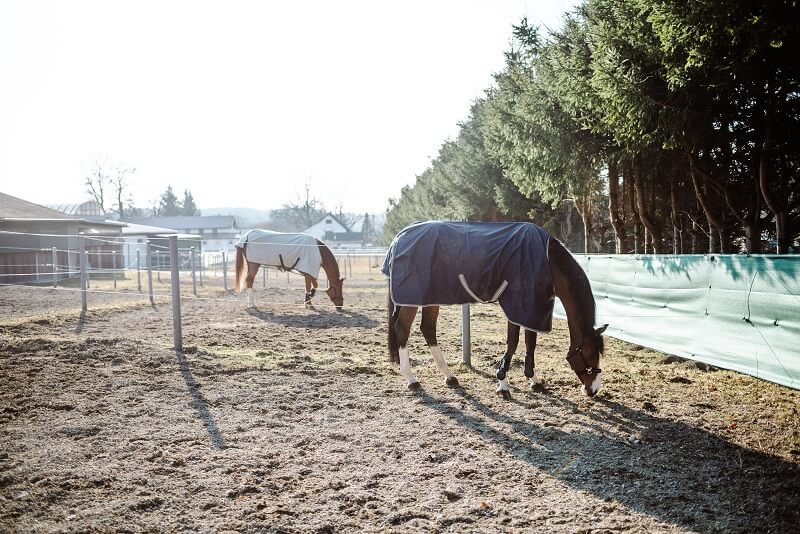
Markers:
point(16, 208)
point(188, 222)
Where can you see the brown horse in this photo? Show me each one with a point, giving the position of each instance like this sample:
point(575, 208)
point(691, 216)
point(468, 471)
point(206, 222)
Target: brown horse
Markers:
point(570, 285)
point(246, 271)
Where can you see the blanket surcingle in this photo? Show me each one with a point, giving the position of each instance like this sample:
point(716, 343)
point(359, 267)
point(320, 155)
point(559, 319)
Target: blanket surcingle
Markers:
point(439, 263)
point(298, 252)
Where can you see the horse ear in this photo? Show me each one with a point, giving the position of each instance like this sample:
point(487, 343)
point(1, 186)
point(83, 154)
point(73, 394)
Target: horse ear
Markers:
point(600, 330)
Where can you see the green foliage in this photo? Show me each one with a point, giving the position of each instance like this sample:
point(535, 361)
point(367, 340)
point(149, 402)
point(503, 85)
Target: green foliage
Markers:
point(168, 204)
point(188, 205)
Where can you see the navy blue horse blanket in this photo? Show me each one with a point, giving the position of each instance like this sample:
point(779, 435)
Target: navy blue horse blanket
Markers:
point(439, 263)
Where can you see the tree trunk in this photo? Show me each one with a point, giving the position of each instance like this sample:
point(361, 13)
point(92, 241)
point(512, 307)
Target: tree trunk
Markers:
point(752, 238)
point(675, 216)
point(645, 215)
point(628, 181)
point(776, 207)
point(617, 222)
point(582, 205)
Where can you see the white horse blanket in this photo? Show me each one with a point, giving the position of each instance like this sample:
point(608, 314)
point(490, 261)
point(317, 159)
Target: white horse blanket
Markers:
point(289, 252)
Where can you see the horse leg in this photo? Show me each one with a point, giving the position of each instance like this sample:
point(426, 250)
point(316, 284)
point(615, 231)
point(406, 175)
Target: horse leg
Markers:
point(252, 270)
point(309, 290)
point(428, 327)
point(402, 328)
point(535, 380)
point(512, 340)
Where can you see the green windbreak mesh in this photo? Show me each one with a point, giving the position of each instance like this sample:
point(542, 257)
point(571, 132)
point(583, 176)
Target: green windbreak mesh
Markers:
point(735, 312)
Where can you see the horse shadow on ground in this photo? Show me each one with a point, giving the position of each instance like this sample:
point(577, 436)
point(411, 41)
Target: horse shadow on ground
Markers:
point(315, 318)
point(673, 472)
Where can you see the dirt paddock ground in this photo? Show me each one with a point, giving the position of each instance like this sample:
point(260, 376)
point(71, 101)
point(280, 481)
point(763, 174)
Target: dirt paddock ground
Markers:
point(286, 419)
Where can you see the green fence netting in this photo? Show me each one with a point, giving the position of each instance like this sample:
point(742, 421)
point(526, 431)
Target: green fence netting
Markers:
point(736, 312)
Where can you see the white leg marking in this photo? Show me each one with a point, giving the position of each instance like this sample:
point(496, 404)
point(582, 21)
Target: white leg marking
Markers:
point(537, 379)
point(251, 297)
point(503, 385)
point(436, 352)
point(405, 366)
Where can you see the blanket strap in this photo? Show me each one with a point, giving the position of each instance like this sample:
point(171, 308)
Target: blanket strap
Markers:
point(283, 267)
point(503, 286)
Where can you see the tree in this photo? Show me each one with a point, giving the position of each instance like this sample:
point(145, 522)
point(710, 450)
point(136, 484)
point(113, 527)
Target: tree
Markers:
point(119, 181)
point(97, 182)
point(169, 204)
point(297, 216)
point(189, 207)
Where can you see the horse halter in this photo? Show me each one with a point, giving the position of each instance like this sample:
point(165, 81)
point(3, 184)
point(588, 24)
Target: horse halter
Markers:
point(579, 364)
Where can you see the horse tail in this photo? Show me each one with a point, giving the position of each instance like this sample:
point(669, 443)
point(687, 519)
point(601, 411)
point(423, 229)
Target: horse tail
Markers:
point(393, 311)
point(241, 270)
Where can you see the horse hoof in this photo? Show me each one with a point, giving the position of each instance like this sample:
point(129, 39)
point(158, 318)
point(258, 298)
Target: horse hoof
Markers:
point(452, 382)
point(414, 386)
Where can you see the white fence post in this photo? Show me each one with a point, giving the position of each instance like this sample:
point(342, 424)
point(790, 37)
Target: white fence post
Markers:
point(55, 267)
point(224, 271)
point(202, 267)
point(150, 273)
point(466, 343)
point(194, 274)
point(114, 266)
point(82, 259)
point(175, 282)
point(138, 270)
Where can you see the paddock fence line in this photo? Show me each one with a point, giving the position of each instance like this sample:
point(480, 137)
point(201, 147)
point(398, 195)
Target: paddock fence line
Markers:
point(736, 312)
point(732, 311)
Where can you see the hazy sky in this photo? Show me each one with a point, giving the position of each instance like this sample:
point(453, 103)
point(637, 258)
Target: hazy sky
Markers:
point(243, 102)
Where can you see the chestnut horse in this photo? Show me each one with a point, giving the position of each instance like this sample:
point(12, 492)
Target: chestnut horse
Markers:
point(246, 271)
point(570, 285)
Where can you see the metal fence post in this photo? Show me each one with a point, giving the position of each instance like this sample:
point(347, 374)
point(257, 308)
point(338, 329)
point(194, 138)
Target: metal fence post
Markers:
point(114, 266)
point(150, 273)
point(224, 271)
point(194, 275)
point(264, 275)
point(55, 267)
point(82, 260)
point(176, 293)
point(138, 270)
point(466, 343)
point(202, 267)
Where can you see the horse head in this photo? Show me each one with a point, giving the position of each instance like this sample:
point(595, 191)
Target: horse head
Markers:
point(585, 360)
point(334, 292)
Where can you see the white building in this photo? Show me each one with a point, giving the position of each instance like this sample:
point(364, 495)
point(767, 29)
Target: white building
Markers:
point(216, 233)
point(334, 232)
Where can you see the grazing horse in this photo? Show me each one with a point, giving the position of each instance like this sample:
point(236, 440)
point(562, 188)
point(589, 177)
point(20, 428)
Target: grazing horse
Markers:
point(288, 252)
point(518, 264)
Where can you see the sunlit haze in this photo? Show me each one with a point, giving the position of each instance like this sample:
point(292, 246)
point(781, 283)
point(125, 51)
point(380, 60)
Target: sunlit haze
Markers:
point(243, 102)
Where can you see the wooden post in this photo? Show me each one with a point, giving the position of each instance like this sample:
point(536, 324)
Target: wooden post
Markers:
point(224, 271)
point(82, 260)
point(194, 276)
point(55, 267)
point(138, 270)
point(175, 282)
point(466, 343)
point(150, 273)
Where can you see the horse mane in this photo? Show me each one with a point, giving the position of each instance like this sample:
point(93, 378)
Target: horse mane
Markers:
point(329, 262)
point(563, 260)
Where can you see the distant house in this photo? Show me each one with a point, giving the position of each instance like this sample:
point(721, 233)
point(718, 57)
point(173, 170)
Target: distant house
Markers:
point(29, 232)
point(334, 232)
point(136, 237)
point(215, 232)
